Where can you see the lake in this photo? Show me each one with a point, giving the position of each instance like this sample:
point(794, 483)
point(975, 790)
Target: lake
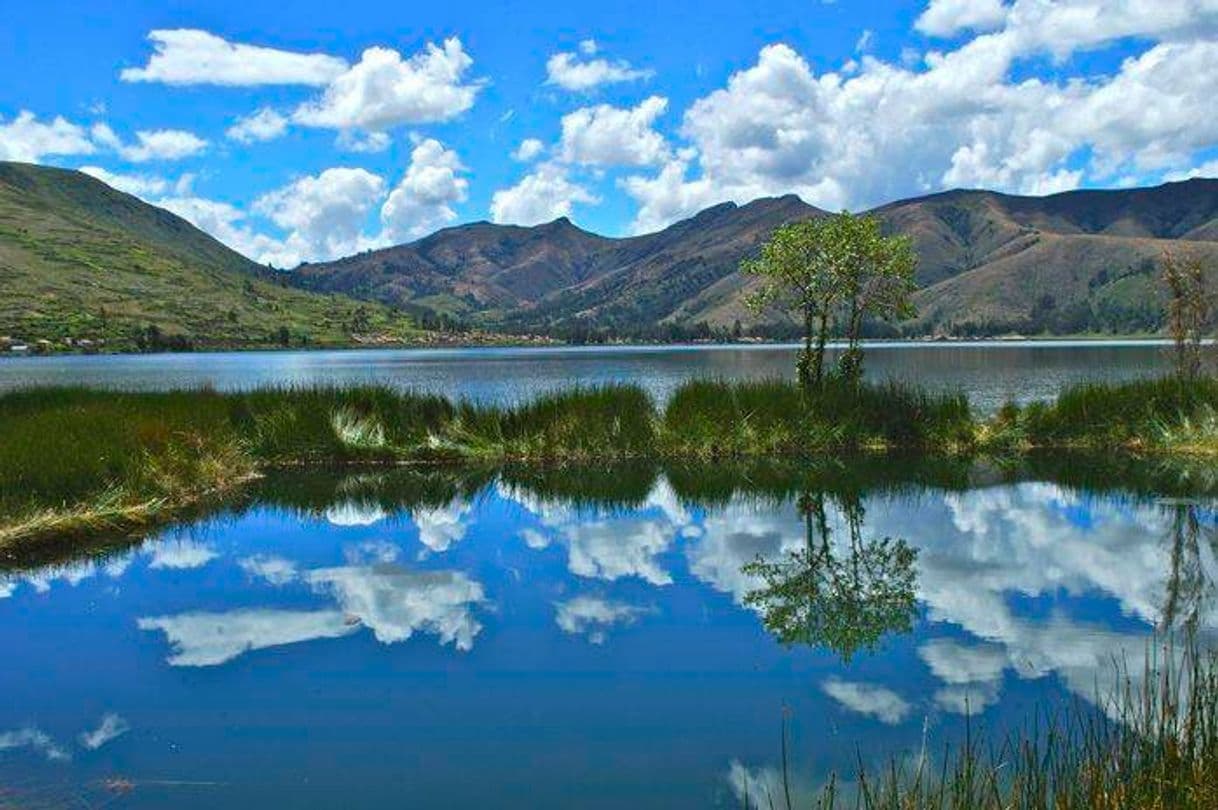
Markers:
point(595, 638)
point(992, 372)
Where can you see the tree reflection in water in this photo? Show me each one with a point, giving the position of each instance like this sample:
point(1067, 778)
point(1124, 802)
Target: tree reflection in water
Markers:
point(843, 599)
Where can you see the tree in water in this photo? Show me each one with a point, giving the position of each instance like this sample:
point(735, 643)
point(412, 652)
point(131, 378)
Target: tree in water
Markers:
point(834, 270)
point(845, 600)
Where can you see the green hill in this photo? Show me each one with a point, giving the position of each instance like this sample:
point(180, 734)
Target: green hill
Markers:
point(80, 260)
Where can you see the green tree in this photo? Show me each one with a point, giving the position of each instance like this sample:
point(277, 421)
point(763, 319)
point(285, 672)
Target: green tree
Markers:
point(878, 283)
point(830, 268)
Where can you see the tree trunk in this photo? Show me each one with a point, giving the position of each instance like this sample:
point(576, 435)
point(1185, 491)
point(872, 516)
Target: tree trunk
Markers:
point(821, 339)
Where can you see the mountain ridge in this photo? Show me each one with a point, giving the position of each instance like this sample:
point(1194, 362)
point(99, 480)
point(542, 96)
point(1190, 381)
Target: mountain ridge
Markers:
point(1094, 249)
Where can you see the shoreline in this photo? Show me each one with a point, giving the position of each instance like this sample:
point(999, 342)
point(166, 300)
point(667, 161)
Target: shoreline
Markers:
point(542, 345)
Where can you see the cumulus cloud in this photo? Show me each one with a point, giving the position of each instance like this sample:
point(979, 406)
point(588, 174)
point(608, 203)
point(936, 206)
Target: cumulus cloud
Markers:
point(544, 194)
point(209, 639)
point(363, 142)
point(354, 513)
point(181, 554)
point(868, 699)
point(592, 616)
point(395, 603)
point(25, 138)
point(111, 727)
point(583, 71)
point(612, 136)
point(383, 90)
point(269, 567)
point(881, 131)
point(423, 200)
point(944, 18)
point(324, 214)
point(263, 125)
point(186, 56)
point(529, 149)
point(441, 527)
point(160, 144)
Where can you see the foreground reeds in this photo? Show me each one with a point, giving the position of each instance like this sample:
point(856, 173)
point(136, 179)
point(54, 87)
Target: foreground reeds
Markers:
point(75, 459)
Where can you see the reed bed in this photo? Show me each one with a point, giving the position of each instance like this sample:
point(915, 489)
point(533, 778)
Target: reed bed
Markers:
point(72, 458)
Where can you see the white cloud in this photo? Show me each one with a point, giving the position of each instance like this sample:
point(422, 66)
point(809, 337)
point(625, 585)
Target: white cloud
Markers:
point(210, 639)
point(544, 194)
point(34, 738)
point(384, 90)
point(529, 149)
point(324, 215)
point(441, 527)
point(868, 699)
point(423, 200)
point(160, 144)
point(269, 567)
point(263, 125)
point(180, 554)
point(889, 130)
point(25, 138)
point(354, 513)
point(227, 223)
point(944, 18)
point(145, 186)
point(611, 136)
point(190, 56)
point(395, 603)
point(592, 616)
point(363, 142)
point(110, 728)
point(580, 72)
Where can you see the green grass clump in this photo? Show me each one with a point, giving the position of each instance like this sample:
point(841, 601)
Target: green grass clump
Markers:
point(719, 419)
point(1164, 414)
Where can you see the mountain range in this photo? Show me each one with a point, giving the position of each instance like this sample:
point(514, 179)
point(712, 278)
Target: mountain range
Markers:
point(989, 263)
point(80, 259)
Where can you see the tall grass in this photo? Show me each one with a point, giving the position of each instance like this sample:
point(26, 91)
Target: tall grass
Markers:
point(75, 455)
point(717, 419)
point(1167, 414)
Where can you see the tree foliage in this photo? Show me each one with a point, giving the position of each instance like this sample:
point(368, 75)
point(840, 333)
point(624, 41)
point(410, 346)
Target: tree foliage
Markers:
point(837, 270)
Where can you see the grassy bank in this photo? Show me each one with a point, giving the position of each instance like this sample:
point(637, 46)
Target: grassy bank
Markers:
point(74, 459)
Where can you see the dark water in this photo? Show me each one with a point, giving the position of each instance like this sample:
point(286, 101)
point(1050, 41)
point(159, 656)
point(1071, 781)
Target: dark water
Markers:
point(990, 372)
point(583, 638)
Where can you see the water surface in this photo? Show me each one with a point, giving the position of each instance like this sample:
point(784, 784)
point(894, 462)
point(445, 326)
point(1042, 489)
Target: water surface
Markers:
point(991, 372)
point(633, 637)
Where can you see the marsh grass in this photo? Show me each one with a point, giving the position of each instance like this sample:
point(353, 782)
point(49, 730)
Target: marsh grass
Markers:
point(82, 457)
point(1151, 743)
point(720, 419)
point(1169, 413)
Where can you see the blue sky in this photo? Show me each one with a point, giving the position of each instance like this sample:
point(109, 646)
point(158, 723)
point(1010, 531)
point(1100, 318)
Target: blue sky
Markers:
point(344, 126)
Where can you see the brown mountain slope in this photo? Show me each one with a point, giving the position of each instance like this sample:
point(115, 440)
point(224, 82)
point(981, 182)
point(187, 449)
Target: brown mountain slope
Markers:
point(988, 262)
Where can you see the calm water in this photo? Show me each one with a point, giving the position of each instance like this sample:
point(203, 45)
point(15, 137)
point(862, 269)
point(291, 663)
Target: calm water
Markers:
point(991, 372)
point(597, 639)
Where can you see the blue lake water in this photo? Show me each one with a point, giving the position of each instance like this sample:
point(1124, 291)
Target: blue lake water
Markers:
point(991, 372)
point(596, 639)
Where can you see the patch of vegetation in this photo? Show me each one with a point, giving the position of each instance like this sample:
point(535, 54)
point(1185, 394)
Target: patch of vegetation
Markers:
point(75, 458)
